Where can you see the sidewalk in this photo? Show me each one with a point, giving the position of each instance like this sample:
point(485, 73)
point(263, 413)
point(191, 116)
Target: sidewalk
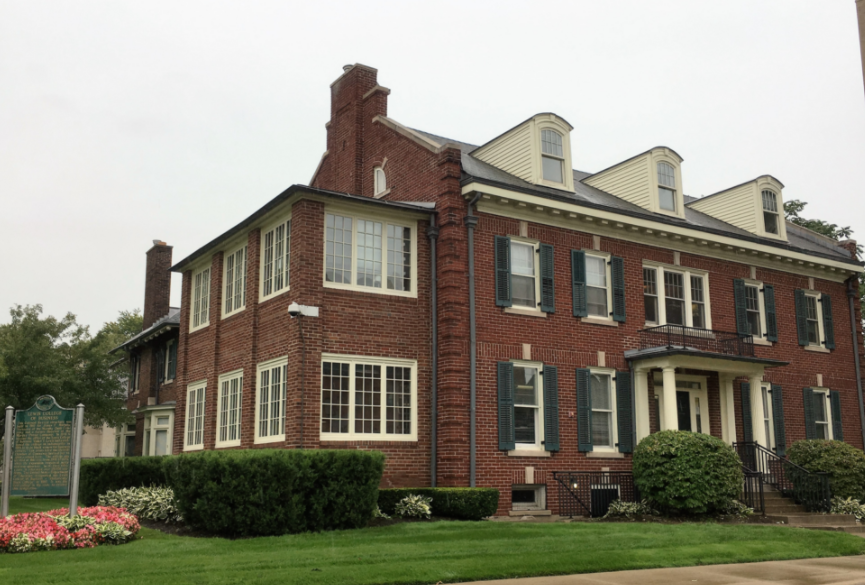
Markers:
point(834, 571)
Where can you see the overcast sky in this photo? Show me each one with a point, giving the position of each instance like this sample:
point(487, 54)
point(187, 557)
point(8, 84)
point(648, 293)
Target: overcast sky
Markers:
point(123, 122)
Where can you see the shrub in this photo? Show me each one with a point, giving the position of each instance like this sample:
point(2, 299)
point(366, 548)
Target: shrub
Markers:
point(56, 530)
point(687, 472)
point(377, 513)
point(458, 503)
point(414, 506)
point(848, 506)
point(737, 509)
point(275, 491)
point(99, 476)
point(620, 509)
point(844, 463)
point(149, 503)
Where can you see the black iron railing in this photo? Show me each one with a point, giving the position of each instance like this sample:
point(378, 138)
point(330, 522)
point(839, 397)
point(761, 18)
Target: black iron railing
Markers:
point(810, 489)
point(590, 493)
point(752, 491)
point(708, 340)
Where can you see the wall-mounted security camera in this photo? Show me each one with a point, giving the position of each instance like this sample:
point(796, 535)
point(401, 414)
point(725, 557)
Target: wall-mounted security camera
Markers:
point(294, 310)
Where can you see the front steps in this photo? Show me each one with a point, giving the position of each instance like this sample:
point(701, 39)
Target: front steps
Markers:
point(780, 509)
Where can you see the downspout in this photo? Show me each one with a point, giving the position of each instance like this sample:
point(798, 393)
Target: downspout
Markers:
point(432, 233)
point(302, 375)
point(471, 221)
point(852, 293)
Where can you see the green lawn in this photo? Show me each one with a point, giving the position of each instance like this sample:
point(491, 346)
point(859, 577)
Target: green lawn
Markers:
point(420, 553)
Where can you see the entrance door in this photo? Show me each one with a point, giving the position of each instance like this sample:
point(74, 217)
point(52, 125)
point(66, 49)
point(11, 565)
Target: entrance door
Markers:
point(692, 402)
point(683, 408)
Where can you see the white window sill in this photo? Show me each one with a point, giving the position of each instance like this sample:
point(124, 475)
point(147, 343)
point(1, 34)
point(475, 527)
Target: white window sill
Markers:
point(193, 448)
point(227, 445)
point(817, 349)
point(199, 328)
point(763, 341)
point(235, 312)
point(382, 194)
point(524, 311)
point(529, 453)
point(604, 455)
point(599, 321)
point(371, 289)
point(367, 438)
point(266, 440)
point(273, 295)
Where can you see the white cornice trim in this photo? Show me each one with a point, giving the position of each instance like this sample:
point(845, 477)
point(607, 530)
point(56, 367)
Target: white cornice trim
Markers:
point(420, 139)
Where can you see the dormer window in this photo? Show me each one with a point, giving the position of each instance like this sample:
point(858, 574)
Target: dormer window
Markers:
point(666, 186)
point(379, 181)
point(552, 156)
point(770, 212)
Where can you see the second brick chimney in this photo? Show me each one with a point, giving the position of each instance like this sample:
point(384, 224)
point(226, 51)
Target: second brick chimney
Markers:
point(157, 283)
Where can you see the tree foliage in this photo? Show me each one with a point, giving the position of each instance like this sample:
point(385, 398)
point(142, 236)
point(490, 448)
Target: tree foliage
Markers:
point(46, 355)
point(830, 230)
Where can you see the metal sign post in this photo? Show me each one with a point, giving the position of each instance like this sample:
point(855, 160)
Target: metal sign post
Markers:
point(7, 462)
point(76, 459)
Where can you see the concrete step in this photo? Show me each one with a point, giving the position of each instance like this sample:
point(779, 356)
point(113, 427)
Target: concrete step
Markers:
point(784, 509)
point(809, 520)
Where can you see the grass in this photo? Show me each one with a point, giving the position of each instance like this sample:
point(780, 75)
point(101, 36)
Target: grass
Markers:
point(419, 553)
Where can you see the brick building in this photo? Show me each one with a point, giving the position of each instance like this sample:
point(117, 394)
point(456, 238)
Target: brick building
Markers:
point(484, 315)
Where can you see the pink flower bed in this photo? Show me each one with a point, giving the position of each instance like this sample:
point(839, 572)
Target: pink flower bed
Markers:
point(56, 530)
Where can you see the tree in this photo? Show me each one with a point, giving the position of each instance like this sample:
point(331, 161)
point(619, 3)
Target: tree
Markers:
point(45, 355)
point(114, 333)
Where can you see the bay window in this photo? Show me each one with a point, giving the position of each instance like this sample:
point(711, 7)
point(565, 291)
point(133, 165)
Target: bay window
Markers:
point(676, 296)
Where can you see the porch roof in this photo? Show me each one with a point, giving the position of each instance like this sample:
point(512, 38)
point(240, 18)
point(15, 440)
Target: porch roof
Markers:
point(689, 357)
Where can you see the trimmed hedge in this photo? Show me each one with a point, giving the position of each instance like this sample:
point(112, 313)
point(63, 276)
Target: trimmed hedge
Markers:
point(275, 491)
point(844, 463)
point(459, 503)
point(99, 476)
point(687, 472)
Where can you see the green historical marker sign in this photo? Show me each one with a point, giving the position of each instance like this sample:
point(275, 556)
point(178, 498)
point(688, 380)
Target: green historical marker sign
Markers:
point(42, 450)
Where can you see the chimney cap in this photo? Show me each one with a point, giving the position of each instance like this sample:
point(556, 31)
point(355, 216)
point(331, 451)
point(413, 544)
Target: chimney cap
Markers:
point(347, 67)
point(159, 243)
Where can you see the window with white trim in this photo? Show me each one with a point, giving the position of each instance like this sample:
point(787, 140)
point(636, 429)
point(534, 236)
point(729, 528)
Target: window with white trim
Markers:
point(598, 291)
point(368, 398)
point(235, 282)
point(193, 435)
point(369, 255)
point(666, 186)
point(276, 248)
point(524, 278)
point(528, 407)
point(135, 373)
point(771, 219)
point(124, 441)
point(604, 427)
point(528, 497)
point(814, 318)
point(228, 409)
point(170, 361)
point(158, 427)
point(270, 401)
point(379, 181)
point(753, 310)
point(200, 316)
point(822, 413)
point(676, 296)
point(552, 156)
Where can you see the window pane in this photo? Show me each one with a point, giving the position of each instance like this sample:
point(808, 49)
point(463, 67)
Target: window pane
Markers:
point(752, 309)
point(666, 199)
point(812, 321)
point(525, 380)
point(380, 181)
point(335, 394)
point(820, 407)
point(338, 249)
point(524, 424)
point(552, 169)
point(650, 294)
point(596, 271)
point(770, 221)
point(698, 307)
point(666, 175)
point(398, 258)
point(601, 392)
point(522, 259)
point(551, 143)
point(770, 202)
point(523, 496)
point(398, 400)
point(523, 275)
point(596, 302)
point(369, 251)
point(674, 285)
point(367, 398)
point(675, 311)
point(161, 443)
point(602, 424)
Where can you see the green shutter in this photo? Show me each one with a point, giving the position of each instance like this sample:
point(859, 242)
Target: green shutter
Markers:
point(584, 410)
point(578, 276)
point(771, 320)
point(801, 316)
point(503, 271)
point(835, 404)
point(617, 270)
point(828, 327)
point(747, 428)
point(808, 403)
point(551, 408)
point(507, 438)
point(778, 418)
point(548, 269)
point(625, 408)
point(741, 307)
point(172, 360)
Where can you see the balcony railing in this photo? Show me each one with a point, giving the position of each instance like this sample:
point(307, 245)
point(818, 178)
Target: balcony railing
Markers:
point(707, 340)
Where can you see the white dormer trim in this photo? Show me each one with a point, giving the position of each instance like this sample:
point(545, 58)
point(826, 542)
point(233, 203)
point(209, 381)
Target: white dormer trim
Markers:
point(742, 206)
point(669, 156)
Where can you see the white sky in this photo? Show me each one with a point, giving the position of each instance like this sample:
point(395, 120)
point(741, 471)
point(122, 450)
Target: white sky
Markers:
point(123, 122)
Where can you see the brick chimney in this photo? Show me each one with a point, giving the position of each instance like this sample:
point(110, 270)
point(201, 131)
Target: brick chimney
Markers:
point(355, 99)
point(850, 246)
point(157, 283)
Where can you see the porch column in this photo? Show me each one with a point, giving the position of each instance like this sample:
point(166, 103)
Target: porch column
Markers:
point(670, 421)
point(757, 415)
point(728, 409)
point(641, 396)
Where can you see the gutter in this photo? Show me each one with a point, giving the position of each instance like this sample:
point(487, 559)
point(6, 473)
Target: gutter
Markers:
point(852, 293)
point(432, 233)
point(470, 222)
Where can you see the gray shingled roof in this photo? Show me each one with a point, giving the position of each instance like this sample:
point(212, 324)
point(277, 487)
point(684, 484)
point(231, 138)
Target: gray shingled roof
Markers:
point(798, 238)
point(169, 321)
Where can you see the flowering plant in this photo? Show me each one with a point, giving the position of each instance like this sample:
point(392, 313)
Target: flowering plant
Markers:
point(56, 530)
point(414, 506)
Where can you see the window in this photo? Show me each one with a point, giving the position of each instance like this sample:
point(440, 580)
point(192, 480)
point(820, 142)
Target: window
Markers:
point(375, 246)
point(200, 299)
point(135, 373)
point(235, 281)
point(752, 307)
point(171, 360)
point(228, 409)
point(552, 156)
point(379, 181)
point(528, 497)
point(270, 401)
point(683, 298)
point(770, 213)
point(596, 287)
point(650, 294)
point(368, 398)
point(528, 415)
point(603, 410)
point(124, 442)
point(158, 427)
point(523, 280)
point(666, 186)
point(194, 432)
point(276, 246)
point(812, 320)
point(821, 414)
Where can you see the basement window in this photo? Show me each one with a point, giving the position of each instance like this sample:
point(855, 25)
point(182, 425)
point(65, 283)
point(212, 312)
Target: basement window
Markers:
point(528, 497)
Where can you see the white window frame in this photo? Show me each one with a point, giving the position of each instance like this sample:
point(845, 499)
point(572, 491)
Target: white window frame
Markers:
point(674, 188)
point(121, 435)
point(151, 427)
point(540, 435)
point(263, 273)
point(276, 363)
point(551, 156)
point(657, 295)
point(167, 360)
point(687, 274)
point(379, 180)
point(227, 378)
point(606, 257)
point(762, 302)
point(535, 245)
point(383, 362)
point(190, 390)
point(200, 305)
point(614, 421)
point(540, 497)
point(821, 332)
point(777, 212)
point(829, 430)
point(242, 250)
point(385, 220)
